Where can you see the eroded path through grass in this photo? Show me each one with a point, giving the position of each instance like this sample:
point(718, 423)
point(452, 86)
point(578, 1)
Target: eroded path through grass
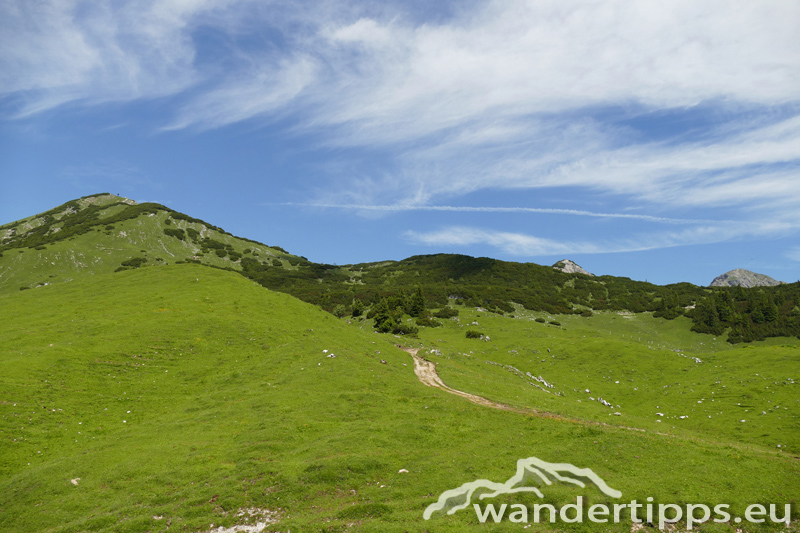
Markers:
point(426, 373)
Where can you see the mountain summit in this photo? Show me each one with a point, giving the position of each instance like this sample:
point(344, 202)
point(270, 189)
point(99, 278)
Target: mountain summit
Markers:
point(570, 267)
point(743, 278)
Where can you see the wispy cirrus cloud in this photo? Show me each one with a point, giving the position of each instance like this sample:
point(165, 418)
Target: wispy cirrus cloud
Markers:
point(522, 244)
point(793, 253)
point(500, 95)
point(59, 51)
point(478, 209)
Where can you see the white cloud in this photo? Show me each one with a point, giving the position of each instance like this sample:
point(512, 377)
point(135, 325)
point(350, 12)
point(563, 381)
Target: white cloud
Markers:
point(513, 243)
point(477, 209)
point(794, 253)
point(521, 244)
point(392, 78)
point(268, 89)
point(501, 95)
point(57, 51)
point(516, 58)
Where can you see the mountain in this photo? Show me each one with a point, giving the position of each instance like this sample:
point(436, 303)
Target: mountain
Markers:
point(147, 394)
point(104, 233)
point(744, 278)
point(570, 267)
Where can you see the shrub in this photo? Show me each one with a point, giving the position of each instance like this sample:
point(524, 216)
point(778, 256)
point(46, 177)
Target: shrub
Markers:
point(168, 221)
point(134, 262)
point(446, 312)
point(211, 243)
point(385, 326)
point(472, 334)
point(339, 311)
point(555, 323)
point(277, 263)
point(221, 252)
point(540, 320)
point(405, 329)
point(177, 233)
point(428, 322)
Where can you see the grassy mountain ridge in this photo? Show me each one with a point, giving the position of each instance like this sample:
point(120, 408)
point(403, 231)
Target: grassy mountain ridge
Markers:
point(102, 233)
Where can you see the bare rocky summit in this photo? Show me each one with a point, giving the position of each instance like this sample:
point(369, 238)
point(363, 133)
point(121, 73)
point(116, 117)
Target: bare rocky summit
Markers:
point(743, 278)
point(570, 267)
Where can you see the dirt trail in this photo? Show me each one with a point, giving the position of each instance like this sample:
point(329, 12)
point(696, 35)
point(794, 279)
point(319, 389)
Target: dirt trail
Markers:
point(426, 373)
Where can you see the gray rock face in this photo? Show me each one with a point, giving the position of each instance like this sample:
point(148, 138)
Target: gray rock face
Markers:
point(743, 278)
point(570, 267)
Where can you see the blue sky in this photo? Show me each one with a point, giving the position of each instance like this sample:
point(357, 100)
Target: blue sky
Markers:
point(657, 141)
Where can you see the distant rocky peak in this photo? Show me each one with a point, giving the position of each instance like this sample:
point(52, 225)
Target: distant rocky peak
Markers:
point(570, 267)
point(743, 278)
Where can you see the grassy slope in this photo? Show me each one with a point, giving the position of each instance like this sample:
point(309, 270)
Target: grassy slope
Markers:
point(641, 365)
point(232, 404)
point(102, 250)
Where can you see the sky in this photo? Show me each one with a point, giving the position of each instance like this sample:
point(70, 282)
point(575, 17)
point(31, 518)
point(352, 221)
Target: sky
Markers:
point(654, 140)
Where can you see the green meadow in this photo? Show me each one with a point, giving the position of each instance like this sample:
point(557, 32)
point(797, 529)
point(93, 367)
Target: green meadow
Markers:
point(186, 398)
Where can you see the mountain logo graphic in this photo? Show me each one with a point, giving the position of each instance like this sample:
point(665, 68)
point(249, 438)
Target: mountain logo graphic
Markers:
point(531, 471)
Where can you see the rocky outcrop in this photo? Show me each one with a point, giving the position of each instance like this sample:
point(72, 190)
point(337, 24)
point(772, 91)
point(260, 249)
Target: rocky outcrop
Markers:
point(570, 267)
point(743, 278)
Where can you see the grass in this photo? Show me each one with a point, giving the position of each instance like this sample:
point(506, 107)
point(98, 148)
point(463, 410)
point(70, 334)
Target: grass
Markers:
point(102, 250)
point(180, 395)
point(639, 378)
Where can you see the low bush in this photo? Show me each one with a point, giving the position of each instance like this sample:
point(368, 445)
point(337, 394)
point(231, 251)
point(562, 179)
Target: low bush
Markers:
point(134, 262)
point(446, 312)
point(428, 322)
point(472, 334)
point(177, 233)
